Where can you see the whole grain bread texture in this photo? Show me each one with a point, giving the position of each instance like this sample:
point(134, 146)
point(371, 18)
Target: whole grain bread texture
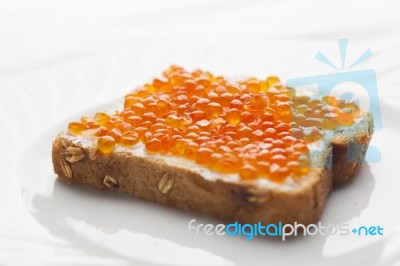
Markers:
point(154, 179)
point(349, 147)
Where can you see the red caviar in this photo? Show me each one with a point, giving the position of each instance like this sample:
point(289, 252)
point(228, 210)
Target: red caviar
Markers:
point(254, 128)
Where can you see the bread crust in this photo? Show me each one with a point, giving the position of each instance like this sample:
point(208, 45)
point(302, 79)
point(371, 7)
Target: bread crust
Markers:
point(240, 201)
point(245, 202)
point(348, 153)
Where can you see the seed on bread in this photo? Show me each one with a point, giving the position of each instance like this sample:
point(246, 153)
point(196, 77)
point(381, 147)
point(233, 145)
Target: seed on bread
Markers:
point(258, 198)
point(110, 182)
point(165, 184)
point(74, 154)
point(92, 153)
point(254, 196)
point(66, 168)
point(63, 144)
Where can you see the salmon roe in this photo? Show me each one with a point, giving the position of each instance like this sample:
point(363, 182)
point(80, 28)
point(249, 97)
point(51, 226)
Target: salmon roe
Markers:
point(253, 128)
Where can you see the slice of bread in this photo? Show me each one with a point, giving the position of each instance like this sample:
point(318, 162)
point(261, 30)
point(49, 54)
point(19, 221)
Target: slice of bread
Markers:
point(349, 147)
point(176, 181)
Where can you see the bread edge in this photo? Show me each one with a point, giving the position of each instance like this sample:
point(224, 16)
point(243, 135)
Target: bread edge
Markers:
point(349, 148)
point(156, 181)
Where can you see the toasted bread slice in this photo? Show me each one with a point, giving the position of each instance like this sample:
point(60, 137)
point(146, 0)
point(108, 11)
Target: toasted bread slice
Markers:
point(176, 181)
point(269, 179)
point(349, 147)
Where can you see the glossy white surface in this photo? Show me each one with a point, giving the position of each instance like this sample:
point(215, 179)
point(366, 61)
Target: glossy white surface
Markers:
point(61, 224)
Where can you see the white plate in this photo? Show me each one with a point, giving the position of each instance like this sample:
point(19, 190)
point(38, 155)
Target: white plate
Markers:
point(60, 224)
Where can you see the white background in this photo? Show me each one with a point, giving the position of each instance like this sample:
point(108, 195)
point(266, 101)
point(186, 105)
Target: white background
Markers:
point(37, 36)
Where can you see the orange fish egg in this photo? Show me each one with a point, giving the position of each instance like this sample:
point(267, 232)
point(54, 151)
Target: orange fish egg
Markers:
point(252, 128)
